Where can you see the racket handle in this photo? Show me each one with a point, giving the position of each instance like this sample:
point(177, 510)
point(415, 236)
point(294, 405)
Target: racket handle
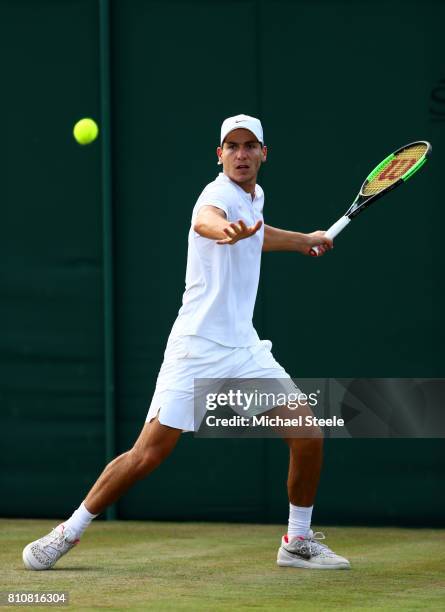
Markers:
point(333, 231)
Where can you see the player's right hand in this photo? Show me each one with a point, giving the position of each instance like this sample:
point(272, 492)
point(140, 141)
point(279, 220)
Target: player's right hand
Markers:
point(318, 239)
point(238, 231)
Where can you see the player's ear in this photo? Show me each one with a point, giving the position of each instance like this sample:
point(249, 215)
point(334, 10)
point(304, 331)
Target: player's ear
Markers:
point(219, 153)
point(264, 154)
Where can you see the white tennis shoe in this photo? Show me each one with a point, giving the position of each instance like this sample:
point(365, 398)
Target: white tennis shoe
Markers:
point(309, 553)
point(43, 554)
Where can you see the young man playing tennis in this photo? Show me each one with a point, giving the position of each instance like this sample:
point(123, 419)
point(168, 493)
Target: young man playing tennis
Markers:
point(213, 337)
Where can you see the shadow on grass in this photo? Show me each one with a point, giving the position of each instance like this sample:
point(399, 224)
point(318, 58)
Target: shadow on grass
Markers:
point(81, 568)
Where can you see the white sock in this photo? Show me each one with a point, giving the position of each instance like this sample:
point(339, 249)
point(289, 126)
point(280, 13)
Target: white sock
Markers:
point(299, 521)
point(79, 520)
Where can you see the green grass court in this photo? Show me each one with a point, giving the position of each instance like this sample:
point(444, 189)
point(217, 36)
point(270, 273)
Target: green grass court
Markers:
point(207, 566)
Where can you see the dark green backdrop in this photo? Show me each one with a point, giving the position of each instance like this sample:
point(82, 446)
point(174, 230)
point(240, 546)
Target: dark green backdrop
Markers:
point(338, 85)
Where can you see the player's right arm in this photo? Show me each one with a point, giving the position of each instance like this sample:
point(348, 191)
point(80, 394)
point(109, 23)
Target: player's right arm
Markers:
point(211, 222)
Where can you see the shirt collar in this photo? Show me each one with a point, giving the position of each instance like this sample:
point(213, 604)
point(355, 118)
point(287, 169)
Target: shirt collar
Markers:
point(226, 179)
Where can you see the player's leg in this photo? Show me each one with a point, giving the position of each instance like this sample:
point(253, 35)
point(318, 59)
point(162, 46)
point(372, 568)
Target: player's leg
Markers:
point(305, 461)
point(300, 547)
point(153, 445)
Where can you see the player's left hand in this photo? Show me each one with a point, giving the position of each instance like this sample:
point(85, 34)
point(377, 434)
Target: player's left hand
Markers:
point(318, 239)
point(238, 231)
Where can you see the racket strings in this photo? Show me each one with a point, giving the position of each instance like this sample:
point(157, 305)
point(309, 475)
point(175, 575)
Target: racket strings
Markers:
point(396, 167)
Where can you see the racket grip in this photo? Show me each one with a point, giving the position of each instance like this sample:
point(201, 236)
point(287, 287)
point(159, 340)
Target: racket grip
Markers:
point(333, 231)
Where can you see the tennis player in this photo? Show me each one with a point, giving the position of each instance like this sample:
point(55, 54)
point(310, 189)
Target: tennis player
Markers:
point(213, 337)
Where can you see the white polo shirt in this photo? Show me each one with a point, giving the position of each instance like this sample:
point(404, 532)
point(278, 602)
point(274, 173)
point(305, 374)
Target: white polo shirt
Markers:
point(221, 281)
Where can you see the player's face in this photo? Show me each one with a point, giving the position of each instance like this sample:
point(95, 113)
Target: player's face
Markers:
point(242, 156)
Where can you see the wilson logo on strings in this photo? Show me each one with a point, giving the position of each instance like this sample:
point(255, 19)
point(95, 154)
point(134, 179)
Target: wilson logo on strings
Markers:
point(396, 168)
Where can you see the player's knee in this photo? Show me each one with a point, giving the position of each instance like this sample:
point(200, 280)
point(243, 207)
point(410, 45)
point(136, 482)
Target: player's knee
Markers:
point(315, 433)
point(311, 445)
point(143, 461)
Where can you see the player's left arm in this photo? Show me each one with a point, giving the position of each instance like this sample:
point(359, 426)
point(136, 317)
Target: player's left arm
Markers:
point(276, 239)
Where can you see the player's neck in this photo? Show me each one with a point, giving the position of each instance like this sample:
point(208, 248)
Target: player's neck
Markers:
point(248, 186)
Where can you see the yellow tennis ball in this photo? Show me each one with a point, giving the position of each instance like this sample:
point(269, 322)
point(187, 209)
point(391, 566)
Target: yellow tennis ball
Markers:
point(85, 131)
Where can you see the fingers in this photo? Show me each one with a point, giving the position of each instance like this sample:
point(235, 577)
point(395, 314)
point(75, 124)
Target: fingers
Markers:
point(252, 229)
point(257, 226)
point(319, 250)
point(322, 241)
point(237, 231)
point(321, 244)
point(232, 232)
point(227, 240)
point(242, 225)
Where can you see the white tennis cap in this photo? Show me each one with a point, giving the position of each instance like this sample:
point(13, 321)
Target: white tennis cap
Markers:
point(242, 121)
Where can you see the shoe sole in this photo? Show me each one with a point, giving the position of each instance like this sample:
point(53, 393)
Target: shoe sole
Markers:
point(302, 563)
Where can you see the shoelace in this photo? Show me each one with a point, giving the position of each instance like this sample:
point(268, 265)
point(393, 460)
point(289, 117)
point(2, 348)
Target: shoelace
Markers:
point(314, 545)
point(54, 540)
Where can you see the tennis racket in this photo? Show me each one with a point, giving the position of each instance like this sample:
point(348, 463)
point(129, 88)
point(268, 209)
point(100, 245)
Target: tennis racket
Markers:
point(394, 170)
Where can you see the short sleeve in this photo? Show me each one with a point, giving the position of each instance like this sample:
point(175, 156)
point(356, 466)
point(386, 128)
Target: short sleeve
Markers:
point(213, 197)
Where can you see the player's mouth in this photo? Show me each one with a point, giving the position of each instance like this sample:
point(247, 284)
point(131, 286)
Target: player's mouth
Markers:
point(242, 167)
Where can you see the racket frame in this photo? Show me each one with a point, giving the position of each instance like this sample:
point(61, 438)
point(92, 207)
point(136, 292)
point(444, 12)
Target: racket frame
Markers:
point(362, 201)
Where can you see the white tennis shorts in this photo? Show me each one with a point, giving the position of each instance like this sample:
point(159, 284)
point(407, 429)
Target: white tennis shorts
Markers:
point(189, 357)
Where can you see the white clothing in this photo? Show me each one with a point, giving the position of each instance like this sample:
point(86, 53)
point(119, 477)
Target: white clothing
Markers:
point(213, 336)
point(187, 358)
point(222, 280)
